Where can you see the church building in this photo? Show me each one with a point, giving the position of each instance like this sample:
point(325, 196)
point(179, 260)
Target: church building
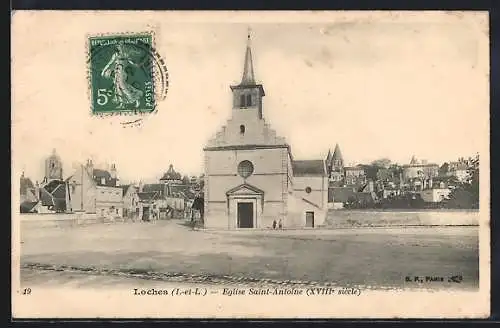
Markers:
point(251, 177)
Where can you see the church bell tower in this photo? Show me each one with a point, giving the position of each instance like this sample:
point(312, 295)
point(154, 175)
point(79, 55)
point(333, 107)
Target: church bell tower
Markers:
point(53, 167)
point(247, 96)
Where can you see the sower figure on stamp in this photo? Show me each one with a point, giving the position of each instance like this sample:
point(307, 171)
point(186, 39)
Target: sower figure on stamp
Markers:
point(116, 68)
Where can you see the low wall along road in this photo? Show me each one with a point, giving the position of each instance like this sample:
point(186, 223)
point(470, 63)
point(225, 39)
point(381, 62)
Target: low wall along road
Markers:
point(360, 218)
point(335, 219)
point(37, 220)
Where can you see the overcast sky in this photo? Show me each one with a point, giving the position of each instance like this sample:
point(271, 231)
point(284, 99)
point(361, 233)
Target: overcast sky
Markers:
point(380, 87)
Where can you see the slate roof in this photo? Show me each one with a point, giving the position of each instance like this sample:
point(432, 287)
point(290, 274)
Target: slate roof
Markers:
point(248, 75)
point(181, 191)
point(171, 174)
point(354, 168)
point(59, 192)
point(27, 207)
point(46, 198)
point(154, 187)
point(308, 168)
point(125, 188)
point(98, 174)
point(329, 157)
point(337, 154)
point(148, 196)
point(340, 194)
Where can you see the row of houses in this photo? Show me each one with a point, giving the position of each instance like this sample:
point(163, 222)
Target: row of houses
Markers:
point(98, 191)
point(427, 181)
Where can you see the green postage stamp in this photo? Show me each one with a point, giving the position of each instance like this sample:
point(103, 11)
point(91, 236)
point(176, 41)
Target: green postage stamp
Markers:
point(126, 74)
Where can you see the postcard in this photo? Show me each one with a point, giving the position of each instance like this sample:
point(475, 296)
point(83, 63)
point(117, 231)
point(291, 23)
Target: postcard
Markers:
point(250, 164)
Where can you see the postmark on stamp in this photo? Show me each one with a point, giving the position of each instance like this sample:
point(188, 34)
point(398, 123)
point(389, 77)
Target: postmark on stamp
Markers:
point(126, 74)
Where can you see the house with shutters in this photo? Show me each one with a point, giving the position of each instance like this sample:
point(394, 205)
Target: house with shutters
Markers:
point(166, 199)
point(130, 202)
point(96, 191)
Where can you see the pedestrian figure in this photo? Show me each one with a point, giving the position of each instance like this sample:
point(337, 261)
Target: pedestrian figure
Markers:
point(193, 221)
point(280, 225)
point(274, 224)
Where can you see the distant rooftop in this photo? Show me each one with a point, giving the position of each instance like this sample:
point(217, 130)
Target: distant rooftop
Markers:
point(308, 168)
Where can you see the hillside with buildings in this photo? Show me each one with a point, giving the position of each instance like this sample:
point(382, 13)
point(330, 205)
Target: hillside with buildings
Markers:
point(418, 184)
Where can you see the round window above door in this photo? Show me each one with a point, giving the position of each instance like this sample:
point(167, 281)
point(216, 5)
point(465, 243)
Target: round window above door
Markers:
point(245, 169)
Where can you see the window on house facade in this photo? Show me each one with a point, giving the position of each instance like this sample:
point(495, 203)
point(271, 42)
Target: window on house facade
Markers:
point(242, 101)
point(242, 129)
point(249, 100)
point(117, 212)
point(308, 190)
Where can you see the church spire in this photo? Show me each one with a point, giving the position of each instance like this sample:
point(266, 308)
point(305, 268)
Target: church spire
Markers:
point(248, 76)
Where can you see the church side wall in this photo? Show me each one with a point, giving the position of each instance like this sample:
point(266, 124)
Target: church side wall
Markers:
point(297, 214)
point(318, 189)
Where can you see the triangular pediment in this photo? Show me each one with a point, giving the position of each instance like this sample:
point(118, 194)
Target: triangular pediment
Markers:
point(245, 189)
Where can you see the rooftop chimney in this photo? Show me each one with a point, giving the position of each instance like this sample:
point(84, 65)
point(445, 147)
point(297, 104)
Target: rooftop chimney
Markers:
point(112, 171)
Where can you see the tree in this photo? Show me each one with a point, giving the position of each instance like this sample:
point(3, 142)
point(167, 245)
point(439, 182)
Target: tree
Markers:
point(466, 194)
point(381, 163)
point(199, 205)
point(384, 175)
point(443, 170)
point(460, 198)
point(370, 171)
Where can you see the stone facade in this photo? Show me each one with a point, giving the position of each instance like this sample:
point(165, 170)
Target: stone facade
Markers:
point(130, 202)
point(249, 173)
point(53, 167)
point(95, 191)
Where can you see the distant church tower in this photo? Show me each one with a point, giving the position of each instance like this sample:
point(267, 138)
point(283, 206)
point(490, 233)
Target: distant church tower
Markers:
point(53, 167)
point(337, 160)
